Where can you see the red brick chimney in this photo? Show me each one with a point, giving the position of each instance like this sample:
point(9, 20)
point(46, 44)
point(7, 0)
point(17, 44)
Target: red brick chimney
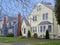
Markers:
point(4, 20)
point(19, 24)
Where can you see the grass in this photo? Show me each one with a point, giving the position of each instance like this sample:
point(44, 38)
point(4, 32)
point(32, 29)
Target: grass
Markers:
point(12, 39)
point(47, 43)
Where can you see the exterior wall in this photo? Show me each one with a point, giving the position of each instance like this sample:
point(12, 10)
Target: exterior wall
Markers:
point(26, 28)
point(55, 28)
point(39, 14)
point(58, 36)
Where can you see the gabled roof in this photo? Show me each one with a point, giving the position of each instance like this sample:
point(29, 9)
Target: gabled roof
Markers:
point(10, 19)
point(26, 21)
point(50, 7)
point(46, 5)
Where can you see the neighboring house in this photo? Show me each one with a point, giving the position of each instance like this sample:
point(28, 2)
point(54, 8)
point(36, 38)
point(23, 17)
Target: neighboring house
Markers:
point(25, 27)
point(11, 21)
point(43, 18)
point(8, 25)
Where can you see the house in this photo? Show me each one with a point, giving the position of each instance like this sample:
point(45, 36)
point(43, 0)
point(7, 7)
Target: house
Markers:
point(25, 27)
point(43, 18)
point(8, 25)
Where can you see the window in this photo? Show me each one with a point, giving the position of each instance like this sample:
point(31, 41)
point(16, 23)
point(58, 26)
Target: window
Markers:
point(39, 8)
point(34, 18)
point(40, 28)
point(45, 16)
point(24, 31)
point(44, 28)
point(49, 28)
point(14, 22)
point(34, 29)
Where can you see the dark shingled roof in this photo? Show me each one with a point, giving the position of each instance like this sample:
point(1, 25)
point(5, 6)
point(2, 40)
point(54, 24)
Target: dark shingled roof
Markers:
point(10, 19)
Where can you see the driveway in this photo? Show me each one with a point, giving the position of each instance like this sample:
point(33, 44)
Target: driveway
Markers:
point(30, 42)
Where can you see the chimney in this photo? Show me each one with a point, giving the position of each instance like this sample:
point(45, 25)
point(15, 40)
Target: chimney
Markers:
point(49, 4)
point(4, 20)
point(19, 24)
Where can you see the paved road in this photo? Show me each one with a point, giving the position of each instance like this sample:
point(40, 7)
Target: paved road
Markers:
point(5, 44)
point(30, 42)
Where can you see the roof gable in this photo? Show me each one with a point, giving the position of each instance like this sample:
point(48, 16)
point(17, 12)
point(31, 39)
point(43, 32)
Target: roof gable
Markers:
point(26, 21)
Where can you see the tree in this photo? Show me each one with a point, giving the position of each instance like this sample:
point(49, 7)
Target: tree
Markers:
point(29, 34)
point(47, 34)
point(57, 10)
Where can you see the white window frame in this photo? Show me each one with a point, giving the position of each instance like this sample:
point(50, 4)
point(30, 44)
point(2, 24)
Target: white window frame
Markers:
point(43, 30)
point(34, 18)
point(34, 29)
point(39, 8)
point(24, 30)
point(45, 16)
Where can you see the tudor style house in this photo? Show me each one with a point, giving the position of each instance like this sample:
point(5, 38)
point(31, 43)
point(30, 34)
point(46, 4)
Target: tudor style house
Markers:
point(43, 18)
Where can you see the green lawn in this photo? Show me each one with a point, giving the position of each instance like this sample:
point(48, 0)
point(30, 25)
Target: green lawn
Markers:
point(47, 43)
point(10, 39)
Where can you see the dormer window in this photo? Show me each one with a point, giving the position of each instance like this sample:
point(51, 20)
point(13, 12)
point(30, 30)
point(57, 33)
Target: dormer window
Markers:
point(34, 18)
point(39, 8)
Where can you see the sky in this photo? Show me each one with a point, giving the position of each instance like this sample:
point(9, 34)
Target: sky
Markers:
point(12, 7)
point(52, 1)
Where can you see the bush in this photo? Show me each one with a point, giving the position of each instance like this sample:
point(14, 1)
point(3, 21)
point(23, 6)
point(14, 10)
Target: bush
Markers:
point(47, 34)
point(29, 34)
point(10, 35)
point(35, 35)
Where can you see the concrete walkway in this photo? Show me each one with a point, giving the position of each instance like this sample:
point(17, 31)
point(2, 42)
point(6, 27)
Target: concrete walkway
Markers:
point(30, 42)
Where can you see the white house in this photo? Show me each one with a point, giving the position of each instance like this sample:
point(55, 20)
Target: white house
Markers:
point(25, 27)
point(43, 18)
